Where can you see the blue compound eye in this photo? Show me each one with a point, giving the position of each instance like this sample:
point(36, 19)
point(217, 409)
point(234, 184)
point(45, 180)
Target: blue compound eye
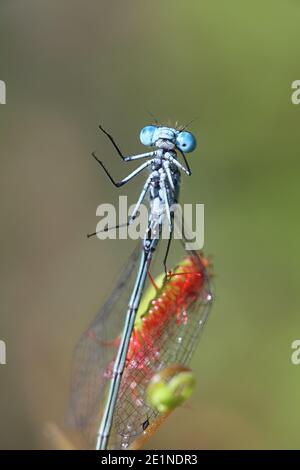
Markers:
point(186, 142)
point(146, 135)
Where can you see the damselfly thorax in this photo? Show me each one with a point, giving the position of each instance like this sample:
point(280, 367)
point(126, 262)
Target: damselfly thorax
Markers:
point(162, 183)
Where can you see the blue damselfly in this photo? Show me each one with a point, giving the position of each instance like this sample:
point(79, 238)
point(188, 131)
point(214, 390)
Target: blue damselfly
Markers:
point(127, 357)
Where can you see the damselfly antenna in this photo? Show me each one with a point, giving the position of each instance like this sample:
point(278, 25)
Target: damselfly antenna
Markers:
point(182, 128)
point(153, 117)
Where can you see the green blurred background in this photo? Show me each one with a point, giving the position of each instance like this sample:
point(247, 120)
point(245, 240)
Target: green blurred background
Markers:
point(69, 65)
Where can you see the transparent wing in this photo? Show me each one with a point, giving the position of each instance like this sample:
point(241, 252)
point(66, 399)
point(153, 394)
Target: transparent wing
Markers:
point(163, 343)
point(94, 354)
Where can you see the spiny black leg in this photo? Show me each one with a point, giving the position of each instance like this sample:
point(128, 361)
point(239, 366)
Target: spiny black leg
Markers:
point(186, 162)
point(115, 183)
point(128, 177)
point(106, 229)
point(112, 141)
point(134, 214)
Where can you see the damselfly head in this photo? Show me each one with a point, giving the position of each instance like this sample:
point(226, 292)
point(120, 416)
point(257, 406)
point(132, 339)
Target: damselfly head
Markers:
point(168, 138)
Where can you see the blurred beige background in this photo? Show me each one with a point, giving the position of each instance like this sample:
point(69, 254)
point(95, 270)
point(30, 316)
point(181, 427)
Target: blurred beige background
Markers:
point(69, 65)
